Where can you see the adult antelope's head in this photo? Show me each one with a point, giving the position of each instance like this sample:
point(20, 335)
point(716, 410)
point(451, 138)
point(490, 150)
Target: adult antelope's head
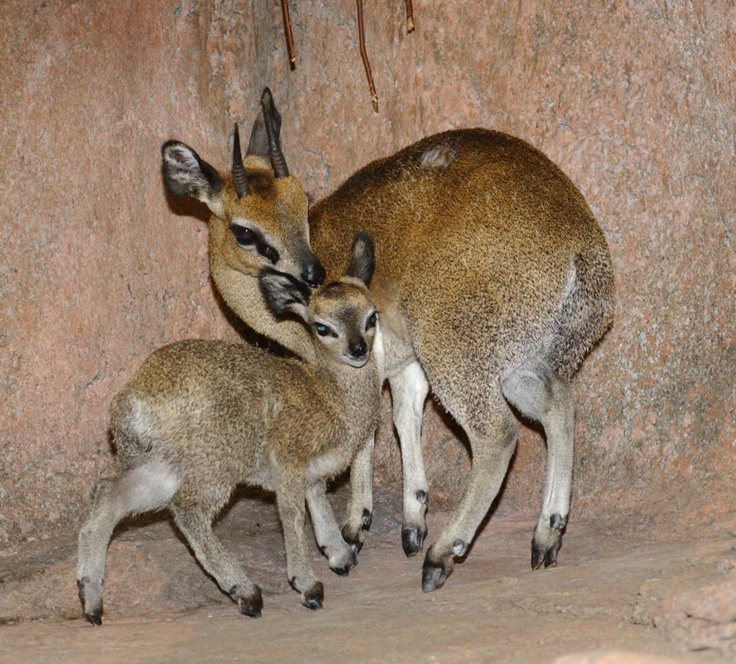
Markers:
point(259, 211)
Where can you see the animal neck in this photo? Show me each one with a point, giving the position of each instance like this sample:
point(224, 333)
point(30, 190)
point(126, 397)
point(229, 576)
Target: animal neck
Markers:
point(242, 294)
point(356, 392)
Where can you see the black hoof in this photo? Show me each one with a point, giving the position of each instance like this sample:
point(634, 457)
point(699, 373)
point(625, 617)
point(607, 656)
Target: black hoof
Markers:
point(251, 605)
point(353, 539)
point(314, 596)
point(94, 618)
point(344, 570)
point(545, 555)
point(412, 540)
point(434, 576)
point(537, 557)
point(367, 519)
point(421, 496)
point(550, 558)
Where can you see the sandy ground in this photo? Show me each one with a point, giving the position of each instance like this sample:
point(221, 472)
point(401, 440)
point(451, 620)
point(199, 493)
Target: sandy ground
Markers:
point(618, 595)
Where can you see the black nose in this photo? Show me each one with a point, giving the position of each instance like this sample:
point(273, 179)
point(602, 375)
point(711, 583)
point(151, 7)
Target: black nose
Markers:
point(314, 275)
point(358, 349)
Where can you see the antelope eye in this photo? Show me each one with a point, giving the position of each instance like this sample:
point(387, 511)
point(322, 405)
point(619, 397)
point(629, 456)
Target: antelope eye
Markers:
point(322, 330)
point(371, 322)
point(243, 235)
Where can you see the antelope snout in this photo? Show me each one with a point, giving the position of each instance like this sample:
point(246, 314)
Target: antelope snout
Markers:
point(358, 350)
point(314, 274)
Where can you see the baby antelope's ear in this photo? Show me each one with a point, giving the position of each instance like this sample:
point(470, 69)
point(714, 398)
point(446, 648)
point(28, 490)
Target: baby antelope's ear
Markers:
point(283, 293)
point(362, 261)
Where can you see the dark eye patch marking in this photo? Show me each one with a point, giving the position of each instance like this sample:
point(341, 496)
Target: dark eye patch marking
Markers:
point(268, 252)
point(247, 237)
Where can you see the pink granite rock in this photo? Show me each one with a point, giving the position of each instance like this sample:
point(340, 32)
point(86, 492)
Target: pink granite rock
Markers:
point(635, 102)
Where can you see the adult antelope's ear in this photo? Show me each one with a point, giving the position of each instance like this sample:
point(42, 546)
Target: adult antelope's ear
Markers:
point(283, 293)
point(187, 174)
point(362, 261)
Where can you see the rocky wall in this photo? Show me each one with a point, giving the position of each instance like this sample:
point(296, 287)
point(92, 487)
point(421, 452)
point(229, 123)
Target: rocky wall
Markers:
point(635, 101)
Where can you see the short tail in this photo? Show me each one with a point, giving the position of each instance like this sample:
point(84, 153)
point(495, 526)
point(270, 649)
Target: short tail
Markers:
point(585, 314)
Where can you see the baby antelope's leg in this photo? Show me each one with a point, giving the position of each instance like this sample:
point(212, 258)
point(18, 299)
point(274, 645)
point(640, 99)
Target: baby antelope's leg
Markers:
point(340, 554)
point(142, 489)
point(195, 524)
point(290, 498)
point(360, 505)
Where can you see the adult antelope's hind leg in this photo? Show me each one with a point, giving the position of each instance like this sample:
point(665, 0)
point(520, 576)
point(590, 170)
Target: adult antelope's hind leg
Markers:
point(492, 435)
point(408, 392)
point(360, 504)
point(543, 396)
point(340, 554)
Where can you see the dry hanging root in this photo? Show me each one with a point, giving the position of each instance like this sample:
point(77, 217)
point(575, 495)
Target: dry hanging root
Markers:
point(287, 30)
point(361, 40)
point(364, 55)
point(409, 16)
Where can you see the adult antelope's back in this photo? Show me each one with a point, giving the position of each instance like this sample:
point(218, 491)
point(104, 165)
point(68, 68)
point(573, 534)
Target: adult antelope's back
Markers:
point(493, 280)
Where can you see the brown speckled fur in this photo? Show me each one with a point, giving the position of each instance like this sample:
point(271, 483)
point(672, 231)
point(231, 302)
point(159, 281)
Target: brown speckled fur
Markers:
point(494, 281)
point(200, 417)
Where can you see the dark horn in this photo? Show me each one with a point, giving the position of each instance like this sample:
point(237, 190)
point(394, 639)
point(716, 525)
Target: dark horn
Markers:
point(238, 172)
point(273, 126)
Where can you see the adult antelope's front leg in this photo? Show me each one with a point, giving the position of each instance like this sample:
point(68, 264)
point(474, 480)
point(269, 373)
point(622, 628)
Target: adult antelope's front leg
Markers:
point(360, 505)
point(409, 391)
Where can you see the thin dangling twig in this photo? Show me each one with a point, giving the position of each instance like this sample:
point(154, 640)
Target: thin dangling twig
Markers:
point(364, 55)
point(289, 35)
point(409, 16)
